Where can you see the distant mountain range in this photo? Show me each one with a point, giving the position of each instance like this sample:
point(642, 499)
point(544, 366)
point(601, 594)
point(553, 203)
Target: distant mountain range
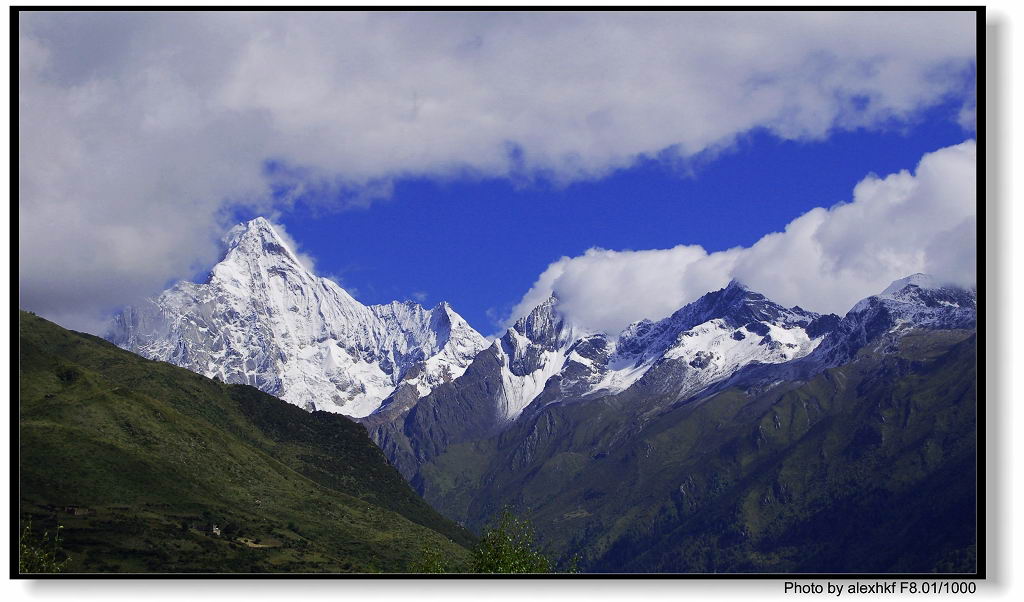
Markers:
point(734, 435)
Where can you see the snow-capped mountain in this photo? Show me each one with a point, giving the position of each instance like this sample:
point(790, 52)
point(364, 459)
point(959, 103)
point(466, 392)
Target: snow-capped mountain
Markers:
point(543, 359)
point(918, 301)
point(740, 406)
point(539, 346)
point(733, 337)
point(263, 319)
point(702, 343)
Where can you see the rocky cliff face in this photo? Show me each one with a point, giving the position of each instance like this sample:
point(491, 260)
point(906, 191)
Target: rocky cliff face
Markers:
point(542, 360)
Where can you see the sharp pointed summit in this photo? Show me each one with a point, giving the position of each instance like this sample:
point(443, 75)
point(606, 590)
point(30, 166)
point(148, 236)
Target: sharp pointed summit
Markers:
point(255, 249)
point(257, 237)
point(265, 320)
point(544, 325)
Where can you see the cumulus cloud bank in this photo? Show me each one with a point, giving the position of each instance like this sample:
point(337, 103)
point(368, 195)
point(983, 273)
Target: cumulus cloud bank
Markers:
point(139, 133)
point(825, 260)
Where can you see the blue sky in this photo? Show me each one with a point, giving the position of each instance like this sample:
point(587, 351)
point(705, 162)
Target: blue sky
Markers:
point(480, 243)
point(462, 155)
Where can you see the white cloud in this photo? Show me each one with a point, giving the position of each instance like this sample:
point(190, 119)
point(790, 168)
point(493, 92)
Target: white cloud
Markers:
point(825, 260)
point(605, 290)
point(139, 132)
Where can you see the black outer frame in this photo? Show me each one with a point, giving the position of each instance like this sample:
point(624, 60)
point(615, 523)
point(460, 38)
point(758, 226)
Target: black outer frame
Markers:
point(980, 183)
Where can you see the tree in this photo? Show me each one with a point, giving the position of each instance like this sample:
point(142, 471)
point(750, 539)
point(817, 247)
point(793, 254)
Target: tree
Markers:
point(432, 560)
point(509, 548)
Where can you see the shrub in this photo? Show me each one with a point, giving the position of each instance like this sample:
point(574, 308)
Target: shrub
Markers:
point(40, 556)
point(509, 548)
point(431, 560)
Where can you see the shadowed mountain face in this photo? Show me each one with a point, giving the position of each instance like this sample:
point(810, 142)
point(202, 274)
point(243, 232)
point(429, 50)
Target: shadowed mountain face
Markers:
point(736, 435)
point(866, 467)
point(543, 359)
point(150, 457)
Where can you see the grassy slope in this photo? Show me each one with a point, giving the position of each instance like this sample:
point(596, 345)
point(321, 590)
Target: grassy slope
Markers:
point(154, 450)
point(867, 467)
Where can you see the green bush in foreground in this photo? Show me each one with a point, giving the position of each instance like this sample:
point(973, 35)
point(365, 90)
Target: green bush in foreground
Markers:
point(40, 556)
point(431, 560)
point(507, 548)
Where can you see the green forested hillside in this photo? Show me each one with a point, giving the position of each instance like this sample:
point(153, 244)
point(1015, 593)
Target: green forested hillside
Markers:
point(139, 459)
point(868, 467)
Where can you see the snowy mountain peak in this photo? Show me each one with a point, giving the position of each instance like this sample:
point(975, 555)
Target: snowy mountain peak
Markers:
point(738, 304)
point(708, 340)
point(736, 284)
point(544, 325)
point(257, 256)
point(718, 333)
point(259, 226)
point(265, 320)
point(257, 237)
point(545, 359)
point(919, 280)
point(920, 291)
point(916, 302)
point(445, 308)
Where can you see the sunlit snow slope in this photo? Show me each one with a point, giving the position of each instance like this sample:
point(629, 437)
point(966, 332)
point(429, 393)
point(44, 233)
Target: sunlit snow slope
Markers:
point(705, 341)
point(263, 319)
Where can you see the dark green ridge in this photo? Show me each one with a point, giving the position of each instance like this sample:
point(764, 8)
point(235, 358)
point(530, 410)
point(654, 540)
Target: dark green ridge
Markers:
point(868, 467)
point(151, 454)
